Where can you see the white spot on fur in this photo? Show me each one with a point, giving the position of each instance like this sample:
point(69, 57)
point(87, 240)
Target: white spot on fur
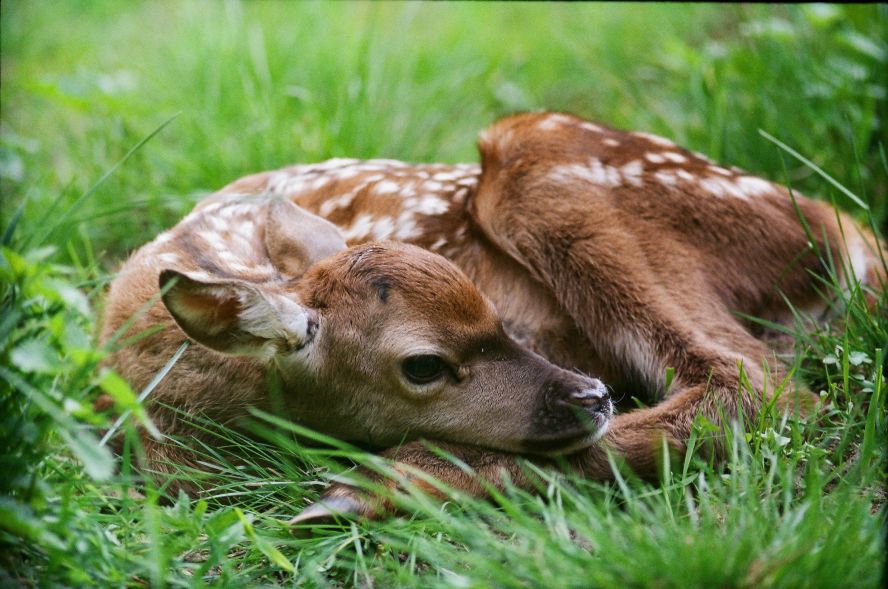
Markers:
point(293, 185)
point(721, 187)
point(700, 156)
point(388, 163)
point(407, 192)
point(676, 158)
point(432, 186)
point(337, 162)
point(438, 244)
point(386, 187)
point(654, 139)
point(431, 205)
point(339, 202)
point(366, 226)
point(407, 229)
point(445, 176)
point(753, 186)
point(359, 229)
point(611, 142)
point(320, 182)
point(595, 172)
point(632, 172)
point(553, 122)
point(218, 222)
point(245, 228)
point(685, 175)
point(346, 173)
point(655, 158)
point(720, 170)
point(591, 127)
point(382, 229)
point(667, 178)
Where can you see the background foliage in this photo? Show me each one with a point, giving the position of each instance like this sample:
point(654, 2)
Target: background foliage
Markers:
point(260, 85)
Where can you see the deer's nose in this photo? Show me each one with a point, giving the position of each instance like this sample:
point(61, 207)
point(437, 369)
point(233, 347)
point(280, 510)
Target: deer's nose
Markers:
point(593, 397)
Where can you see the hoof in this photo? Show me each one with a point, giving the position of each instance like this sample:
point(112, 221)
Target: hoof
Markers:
point(330, 510)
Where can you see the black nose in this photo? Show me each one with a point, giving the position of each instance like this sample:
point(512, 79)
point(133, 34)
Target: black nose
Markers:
point(593, 397)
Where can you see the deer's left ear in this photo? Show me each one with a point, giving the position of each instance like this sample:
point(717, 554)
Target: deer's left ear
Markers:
point(296, 239)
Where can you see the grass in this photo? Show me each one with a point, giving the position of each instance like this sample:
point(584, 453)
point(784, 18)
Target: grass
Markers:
point(258, 85)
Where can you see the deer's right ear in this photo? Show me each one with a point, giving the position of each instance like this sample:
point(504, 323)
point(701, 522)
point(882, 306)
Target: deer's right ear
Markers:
point(236, 317)
point(296, 239)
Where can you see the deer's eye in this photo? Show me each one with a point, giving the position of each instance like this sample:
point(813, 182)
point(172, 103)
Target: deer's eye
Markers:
point(424, 369)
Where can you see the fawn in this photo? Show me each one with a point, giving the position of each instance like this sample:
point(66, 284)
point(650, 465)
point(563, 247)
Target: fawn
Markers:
point(370, 343)
point(610, 253)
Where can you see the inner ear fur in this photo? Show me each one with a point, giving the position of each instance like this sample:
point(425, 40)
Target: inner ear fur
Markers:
point(234, 317)
point(209, 313)
point(296, 239)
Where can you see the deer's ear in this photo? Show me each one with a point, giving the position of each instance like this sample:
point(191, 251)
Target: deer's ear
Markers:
point(235, 317)
point(296, 239)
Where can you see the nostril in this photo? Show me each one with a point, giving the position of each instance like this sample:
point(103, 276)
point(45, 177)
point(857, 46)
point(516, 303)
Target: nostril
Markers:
point(590, 394)
point(588, 397)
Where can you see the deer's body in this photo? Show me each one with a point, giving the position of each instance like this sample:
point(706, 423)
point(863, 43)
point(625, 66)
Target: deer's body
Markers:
point(611, 253)
point(668, 224)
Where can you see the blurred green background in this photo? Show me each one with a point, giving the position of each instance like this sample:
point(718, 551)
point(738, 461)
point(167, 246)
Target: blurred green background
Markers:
point(264, 84)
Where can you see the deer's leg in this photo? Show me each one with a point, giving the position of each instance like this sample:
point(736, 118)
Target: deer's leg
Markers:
point(635, 314)
point(412, 463)
point(710, 387)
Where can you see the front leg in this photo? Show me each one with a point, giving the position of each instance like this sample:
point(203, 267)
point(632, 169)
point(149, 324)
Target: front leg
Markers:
point(635, 439)
point(638, 288)
point(473, 471)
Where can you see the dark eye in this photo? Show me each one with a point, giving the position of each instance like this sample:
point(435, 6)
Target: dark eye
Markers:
point(424, 369)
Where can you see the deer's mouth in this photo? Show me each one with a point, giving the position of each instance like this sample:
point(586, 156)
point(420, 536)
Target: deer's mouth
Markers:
point(568, 441)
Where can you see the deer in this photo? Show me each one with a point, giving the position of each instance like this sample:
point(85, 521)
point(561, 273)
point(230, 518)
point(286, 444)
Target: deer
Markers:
point(370, 343)
point(608, 253)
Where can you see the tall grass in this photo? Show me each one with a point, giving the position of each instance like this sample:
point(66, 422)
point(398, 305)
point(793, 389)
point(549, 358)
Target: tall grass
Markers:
point(263, 84)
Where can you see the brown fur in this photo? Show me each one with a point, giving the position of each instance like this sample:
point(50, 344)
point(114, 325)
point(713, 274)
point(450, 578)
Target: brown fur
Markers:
point(612, 253)
point(272, 295)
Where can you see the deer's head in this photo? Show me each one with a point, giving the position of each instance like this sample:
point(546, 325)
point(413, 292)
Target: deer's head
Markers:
point(383, 342)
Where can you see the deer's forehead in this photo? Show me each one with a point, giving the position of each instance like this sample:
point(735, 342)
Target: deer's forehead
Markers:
point(415, 281)
point(457, 304)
